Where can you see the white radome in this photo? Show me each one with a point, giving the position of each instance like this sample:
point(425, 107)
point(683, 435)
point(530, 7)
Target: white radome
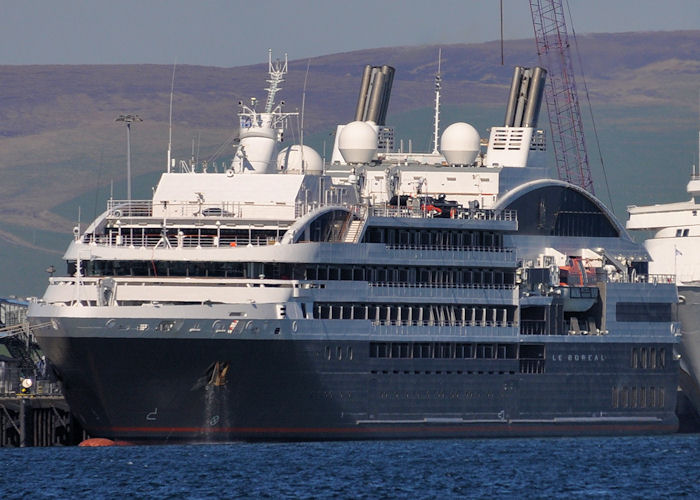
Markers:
point(460, 144)
point(358, 142)
point(290, 159)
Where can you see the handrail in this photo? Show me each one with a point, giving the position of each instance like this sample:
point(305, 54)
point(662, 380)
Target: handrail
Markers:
point(384, 210)
point(397, 322)
point(388, 284)
point(450, 248)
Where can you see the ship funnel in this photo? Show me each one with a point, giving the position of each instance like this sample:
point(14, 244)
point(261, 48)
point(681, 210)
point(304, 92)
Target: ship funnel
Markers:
point(362, 99)
point(388, 72)
point(534, 97)
point(525, 97)
point(513, 96)
point(375, 91)
point(374, 108)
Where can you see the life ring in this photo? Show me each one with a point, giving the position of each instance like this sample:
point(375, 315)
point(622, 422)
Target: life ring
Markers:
point(229, 172)
point(117, 213)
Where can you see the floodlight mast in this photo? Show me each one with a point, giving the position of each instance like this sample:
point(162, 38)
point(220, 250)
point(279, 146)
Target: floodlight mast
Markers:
point(128, 120)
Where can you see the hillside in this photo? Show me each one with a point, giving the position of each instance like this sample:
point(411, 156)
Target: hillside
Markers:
point(59, 140)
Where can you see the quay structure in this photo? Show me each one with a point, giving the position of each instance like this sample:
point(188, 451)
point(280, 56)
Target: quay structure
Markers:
point(33, 411)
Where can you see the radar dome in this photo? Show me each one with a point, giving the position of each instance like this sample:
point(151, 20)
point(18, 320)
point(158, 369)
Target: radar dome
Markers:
point(358, 142)
point(290, 159)
point(460, 144)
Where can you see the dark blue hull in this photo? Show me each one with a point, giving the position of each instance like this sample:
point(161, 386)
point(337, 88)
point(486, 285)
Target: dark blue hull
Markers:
point(223, 390)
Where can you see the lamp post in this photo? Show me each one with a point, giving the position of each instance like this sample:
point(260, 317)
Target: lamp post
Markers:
point(128, 120)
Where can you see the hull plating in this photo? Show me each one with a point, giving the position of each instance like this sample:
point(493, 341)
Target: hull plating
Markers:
point(235, 389)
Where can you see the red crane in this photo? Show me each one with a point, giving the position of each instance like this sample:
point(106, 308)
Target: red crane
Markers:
point(563, 108)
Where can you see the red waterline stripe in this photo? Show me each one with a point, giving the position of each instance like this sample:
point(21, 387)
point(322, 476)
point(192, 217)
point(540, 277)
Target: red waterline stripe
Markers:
point(466, 428)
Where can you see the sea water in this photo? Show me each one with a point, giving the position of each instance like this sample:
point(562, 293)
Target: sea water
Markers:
point(604, 467)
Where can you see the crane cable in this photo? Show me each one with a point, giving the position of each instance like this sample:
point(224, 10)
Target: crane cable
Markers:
point(590, 108)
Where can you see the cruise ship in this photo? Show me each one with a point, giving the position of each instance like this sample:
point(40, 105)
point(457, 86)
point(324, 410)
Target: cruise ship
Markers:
point(674, 249)
point(384, 294)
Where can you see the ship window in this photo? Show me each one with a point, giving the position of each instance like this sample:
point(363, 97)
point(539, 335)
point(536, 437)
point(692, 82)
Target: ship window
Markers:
point(485, 351)
point(679, 232)
point(640, 312)
point(464, 351)
point(660, 400)
point(662, 358)
point(685, 232)
point(615, 401)
point(652, 358)
point(635, 358)
point(400, 350)
point(642, 397)
point(561, 211)
point(531, 351)
point(358, 274)
point(644, 357)
point(507, 351)
point(443, 350)
point(422, 350)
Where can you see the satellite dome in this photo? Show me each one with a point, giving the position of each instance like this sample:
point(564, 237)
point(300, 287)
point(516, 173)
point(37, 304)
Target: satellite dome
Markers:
point(290, 159)
point(358, 142)
point(460, 144)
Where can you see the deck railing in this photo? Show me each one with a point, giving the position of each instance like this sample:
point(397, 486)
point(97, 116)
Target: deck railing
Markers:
point(114, 239)
point(450, 248)
point(384, 210)
point(480, 286)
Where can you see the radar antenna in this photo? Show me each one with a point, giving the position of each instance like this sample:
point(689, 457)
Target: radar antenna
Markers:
point(277, 71)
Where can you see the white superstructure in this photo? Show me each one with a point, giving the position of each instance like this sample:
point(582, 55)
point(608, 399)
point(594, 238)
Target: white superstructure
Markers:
point(675, 245)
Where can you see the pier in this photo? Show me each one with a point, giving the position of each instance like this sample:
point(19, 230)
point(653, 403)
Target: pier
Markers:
point(33, 411)
point(36, 420)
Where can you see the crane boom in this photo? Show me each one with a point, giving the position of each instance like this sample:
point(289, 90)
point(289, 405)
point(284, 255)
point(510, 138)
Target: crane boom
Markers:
point(563, 108)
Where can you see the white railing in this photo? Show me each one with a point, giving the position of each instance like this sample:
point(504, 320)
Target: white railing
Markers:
point(384, 210)
point(487, 324)
point(480, 286)
point(135, 240)
point(450, 248)
point(226, 210)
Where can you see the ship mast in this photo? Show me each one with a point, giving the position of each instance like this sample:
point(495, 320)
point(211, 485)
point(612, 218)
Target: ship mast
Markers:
point(277, 72)
point(436, 132)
